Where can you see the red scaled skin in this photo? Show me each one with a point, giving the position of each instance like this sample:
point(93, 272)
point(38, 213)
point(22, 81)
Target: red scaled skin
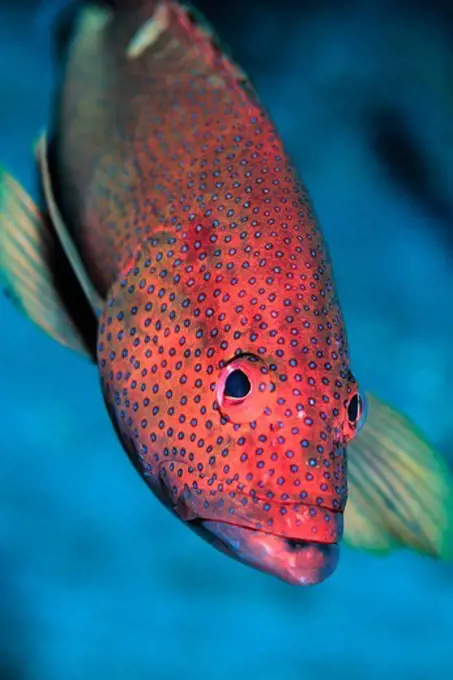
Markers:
point(197, 232)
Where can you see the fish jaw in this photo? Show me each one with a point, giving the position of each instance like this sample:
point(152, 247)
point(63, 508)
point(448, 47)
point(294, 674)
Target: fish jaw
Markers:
point(298, 520)
point(296, 542)
point(300, 563)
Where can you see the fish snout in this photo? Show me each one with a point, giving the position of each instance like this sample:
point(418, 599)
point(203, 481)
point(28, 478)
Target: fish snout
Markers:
point(295, 542)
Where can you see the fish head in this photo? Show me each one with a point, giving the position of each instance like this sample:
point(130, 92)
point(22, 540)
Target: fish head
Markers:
point(235, 401)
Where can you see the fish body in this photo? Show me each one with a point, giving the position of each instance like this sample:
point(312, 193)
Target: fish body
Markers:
point(195, 229)
point(220, 342)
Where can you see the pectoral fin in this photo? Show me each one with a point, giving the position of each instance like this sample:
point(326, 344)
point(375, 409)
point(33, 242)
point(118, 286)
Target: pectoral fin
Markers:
point(400, 488)
point(31, 264)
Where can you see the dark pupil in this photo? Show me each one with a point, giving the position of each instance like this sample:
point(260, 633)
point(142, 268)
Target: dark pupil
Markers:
point(353, 408)
point(237, 385)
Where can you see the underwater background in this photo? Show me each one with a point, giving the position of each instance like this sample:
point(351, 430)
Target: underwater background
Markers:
point(97, 579)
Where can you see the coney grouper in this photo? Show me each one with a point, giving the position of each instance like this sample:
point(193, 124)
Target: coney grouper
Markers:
point(173, 245)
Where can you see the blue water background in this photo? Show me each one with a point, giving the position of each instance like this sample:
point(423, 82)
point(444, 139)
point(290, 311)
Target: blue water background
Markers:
point(97, 580)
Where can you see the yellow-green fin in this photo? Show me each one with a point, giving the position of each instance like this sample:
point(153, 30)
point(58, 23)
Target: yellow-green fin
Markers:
point(26, 248)
point(400, 488)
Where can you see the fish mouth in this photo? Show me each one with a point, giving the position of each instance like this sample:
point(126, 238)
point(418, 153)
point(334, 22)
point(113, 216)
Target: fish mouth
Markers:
point(297, 562)
point(297, 542)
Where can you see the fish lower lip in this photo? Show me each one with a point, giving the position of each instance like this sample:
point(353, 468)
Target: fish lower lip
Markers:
point(292, 560)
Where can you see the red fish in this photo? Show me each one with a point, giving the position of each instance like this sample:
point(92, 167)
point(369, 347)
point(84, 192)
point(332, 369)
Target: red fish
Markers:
point(176, 246)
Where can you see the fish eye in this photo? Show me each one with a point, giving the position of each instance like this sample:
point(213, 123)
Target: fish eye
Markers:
point(354, 408)
point(237, 385)
point(243, 386)
point(357, 410)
